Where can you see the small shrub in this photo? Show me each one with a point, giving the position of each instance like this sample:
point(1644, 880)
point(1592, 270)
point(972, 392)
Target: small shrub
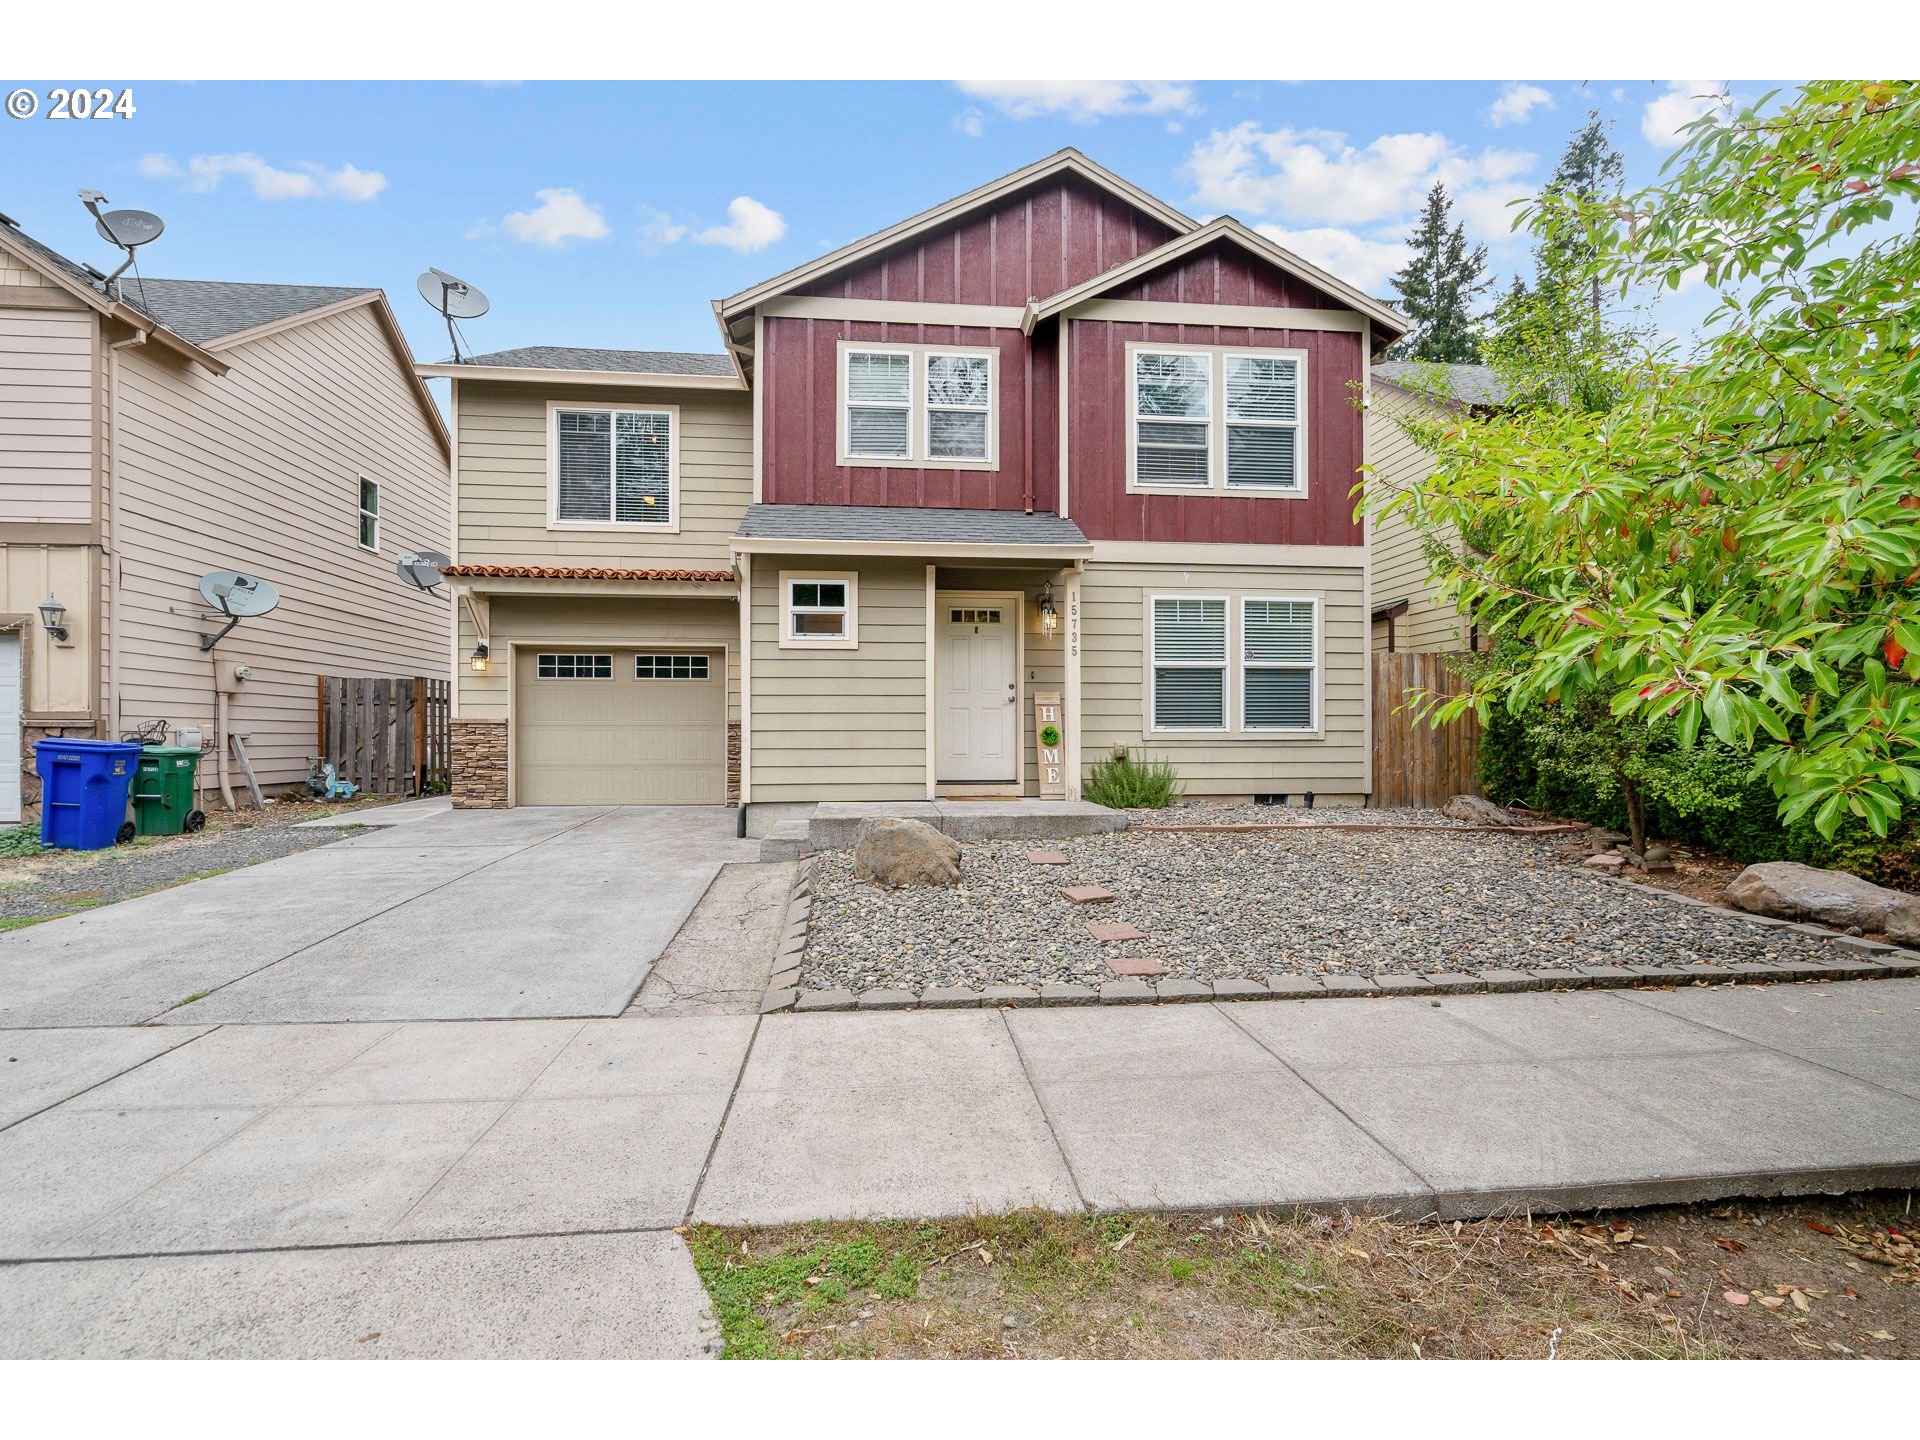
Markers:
point(1124, 781)
point(20, 840)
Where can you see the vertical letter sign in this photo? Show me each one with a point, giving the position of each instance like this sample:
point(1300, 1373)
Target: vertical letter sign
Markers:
point(1050, 739)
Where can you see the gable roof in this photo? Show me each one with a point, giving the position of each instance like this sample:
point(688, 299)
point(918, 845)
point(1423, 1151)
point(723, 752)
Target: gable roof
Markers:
point(1061, 162)
point(207, 311)
point(1464, 384)
point(1385, 318)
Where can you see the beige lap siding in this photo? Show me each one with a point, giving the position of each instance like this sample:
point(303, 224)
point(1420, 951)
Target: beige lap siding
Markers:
point(1399, 562)
point(1114, 678)
point(46, 415)
point(842, 724)
point(560, 622)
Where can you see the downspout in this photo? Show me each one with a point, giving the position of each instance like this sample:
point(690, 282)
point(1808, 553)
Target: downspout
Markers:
point(1027, 493)
point(113, 527)
point(220, 740)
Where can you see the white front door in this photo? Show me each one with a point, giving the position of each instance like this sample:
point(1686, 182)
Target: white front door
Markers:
point(975, 710)
point(9, 729)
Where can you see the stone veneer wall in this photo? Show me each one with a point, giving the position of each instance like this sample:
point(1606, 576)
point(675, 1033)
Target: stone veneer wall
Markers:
point(733, 763)
point(479, 765)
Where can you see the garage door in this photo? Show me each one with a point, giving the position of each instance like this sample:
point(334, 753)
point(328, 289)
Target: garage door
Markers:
point(620, 727)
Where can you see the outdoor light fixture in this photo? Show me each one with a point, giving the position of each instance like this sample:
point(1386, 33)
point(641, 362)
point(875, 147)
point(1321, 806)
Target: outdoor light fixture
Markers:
point(53, 619)
point(479, 661)
point(1049, 617)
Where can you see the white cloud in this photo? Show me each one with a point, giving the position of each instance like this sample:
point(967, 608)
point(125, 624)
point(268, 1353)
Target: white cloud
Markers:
point(971, 123)
point(1683, 101)
point(1369, 264)
point(1317, 177)
point(306, 181)
point(1516, 103)
point(563, 215)
point(751, 226)
point(659, 228)
point(1085, 102)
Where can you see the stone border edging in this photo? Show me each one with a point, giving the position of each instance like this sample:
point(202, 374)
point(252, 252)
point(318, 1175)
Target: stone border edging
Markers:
point(1252, 827)
point(1863, 960)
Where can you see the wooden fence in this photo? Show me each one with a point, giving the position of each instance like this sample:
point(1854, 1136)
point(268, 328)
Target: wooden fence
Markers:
point(389, 737)
point(1413, 763)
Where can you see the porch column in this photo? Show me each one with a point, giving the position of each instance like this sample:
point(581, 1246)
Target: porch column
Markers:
point(1070, 606)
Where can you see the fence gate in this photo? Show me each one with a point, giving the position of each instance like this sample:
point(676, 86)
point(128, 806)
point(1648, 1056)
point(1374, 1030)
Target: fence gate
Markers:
point(388, 736)
point(1414, 764)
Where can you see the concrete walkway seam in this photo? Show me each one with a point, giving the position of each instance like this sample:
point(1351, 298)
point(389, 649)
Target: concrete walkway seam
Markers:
point(1046, 1116)
point(726, 1114)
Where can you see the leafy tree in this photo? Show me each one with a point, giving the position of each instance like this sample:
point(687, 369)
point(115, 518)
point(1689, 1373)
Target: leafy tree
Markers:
point(1732, 543)
point(1439, 286)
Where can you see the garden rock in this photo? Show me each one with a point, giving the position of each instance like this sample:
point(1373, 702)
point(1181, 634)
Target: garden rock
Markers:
point(1800, 892)
point(1474, 810)
point(894, 853)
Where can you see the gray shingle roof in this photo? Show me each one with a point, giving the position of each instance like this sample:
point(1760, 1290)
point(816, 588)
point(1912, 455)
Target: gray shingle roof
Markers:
point(641, 362)
point(1468, 384)
point(203, 310)
point(908, 525)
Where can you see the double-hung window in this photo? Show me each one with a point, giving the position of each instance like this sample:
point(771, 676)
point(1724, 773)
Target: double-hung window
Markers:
point(917, 405)
point(616, 467)
point(369, 514)
point(1189, 661)
point(1217, 421)
point(1279, 641)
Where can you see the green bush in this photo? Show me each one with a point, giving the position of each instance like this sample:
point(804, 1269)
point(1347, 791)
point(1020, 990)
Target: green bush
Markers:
point(1124, 781)
point(20, 840)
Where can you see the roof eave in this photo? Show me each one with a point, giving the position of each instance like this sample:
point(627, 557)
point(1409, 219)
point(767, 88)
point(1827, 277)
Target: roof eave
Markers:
point(538, 375)
point(934, 549)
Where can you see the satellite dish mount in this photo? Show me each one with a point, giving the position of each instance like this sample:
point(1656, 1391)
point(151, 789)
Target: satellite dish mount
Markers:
point(455, 299)
point(421, 569)
point(237, 597)
point(128, 229)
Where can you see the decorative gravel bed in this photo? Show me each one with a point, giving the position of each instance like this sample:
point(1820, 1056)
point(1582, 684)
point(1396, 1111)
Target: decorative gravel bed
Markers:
point(1256, 906)
point(1200, 812)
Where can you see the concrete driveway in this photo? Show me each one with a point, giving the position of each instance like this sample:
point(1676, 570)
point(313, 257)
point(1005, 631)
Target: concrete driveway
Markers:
point(489, 914)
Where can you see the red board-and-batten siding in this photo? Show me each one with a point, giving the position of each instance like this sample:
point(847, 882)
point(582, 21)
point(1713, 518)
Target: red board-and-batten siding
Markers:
point(1048, 240)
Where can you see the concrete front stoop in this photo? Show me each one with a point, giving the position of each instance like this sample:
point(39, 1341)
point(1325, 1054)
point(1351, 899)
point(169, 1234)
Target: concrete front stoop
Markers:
point(834, 826)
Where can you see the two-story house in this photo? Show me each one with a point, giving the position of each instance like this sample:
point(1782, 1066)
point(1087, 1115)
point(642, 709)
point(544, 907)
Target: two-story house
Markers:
point(1050, 437)
point(152, 431)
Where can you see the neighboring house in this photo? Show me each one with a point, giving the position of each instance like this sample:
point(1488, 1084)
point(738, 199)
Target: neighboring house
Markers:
point(1051, 436)
point(1406, 616)
point(174, 427)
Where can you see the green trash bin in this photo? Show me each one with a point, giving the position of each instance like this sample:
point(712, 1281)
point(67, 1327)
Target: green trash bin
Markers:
point(163, 791)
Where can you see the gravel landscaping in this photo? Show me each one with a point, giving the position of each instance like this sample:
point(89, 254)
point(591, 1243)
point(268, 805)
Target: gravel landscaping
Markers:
point(1310, 902)
point(1200, 812)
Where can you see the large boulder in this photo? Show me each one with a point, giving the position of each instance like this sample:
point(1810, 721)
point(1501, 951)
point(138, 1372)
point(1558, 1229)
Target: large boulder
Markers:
point(1475, 811)
point(904, 852)
point(1792, 891)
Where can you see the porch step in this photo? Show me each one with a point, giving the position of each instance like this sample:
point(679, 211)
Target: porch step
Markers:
point(834, 826)
point(787, 840)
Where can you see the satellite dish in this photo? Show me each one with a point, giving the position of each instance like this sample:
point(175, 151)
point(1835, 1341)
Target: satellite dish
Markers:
point(130, 228)
point(421, 568)
point(238, 595)
point(455, 299)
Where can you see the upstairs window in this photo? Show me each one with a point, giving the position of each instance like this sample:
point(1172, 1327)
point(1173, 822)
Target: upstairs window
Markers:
point(615, 467)
point(1189, 660)
point(917, 405)
point(369, 514)
point(1217, 420)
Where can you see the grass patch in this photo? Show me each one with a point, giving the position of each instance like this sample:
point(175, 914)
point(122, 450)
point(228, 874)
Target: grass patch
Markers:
point(191, 999)
point(1032, 1285)
point(20, 922)
point(1124, 781)
point(18, 841)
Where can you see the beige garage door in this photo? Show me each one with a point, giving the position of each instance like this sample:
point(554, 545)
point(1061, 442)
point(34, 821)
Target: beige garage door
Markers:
point(620, 727)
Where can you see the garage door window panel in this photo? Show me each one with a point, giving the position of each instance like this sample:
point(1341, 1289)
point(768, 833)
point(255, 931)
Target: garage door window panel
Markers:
point(573, 667)
point(671, 667)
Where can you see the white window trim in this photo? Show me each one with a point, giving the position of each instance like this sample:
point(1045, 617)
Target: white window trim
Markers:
point(848, 641)
point(622, 527)
point(1216, 422)
point(362, 513)
point(1236, 728)
point(1316, 668)
point(1299, 426)
point(918, 411)
point(1224, 666)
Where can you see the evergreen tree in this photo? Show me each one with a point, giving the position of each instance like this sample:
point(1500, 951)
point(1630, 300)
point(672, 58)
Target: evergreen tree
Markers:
point(1439, 286)
point(1590, 171)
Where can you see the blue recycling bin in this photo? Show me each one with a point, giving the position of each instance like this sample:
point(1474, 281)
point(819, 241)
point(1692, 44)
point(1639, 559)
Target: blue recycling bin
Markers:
point(83, 791)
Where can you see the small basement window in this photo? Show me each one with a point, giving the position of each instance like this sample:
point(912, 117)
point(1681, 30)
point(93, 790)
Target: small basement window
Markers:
point(670, 667)
point(369, 514)
point(573, 667)
point(818, 611)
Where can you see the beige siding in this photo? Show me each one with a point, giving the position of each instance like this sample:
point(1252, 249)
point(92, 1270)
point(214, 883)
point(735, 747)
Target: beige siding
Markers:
point(711, 624)
point(46, 413)
point(503, 479)
point(1399, 563)
point(842, 724)
point(259, 470)
point(1113, 679)
point(56, 676)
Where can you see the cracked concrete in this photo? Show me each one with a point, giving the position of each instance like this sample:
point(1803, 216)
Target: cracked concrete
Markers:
point(720, 962)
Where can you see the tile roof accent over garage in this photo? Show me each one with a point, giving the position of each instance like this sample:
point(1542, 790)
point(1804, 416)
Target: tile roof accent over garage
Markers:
point(204, 310)
point(633, 362)
point(574, 572)
point(908, 525)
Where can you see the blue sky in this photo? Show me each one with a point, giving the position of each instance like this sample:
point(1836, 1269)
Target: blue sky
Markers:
point(609, 214)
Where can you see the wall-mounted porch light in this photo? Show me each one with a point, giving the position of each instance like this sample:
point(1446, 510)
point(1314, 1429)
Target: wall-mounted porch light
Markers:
point(479, 660)
point(1049, 617)
point(53, 619)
